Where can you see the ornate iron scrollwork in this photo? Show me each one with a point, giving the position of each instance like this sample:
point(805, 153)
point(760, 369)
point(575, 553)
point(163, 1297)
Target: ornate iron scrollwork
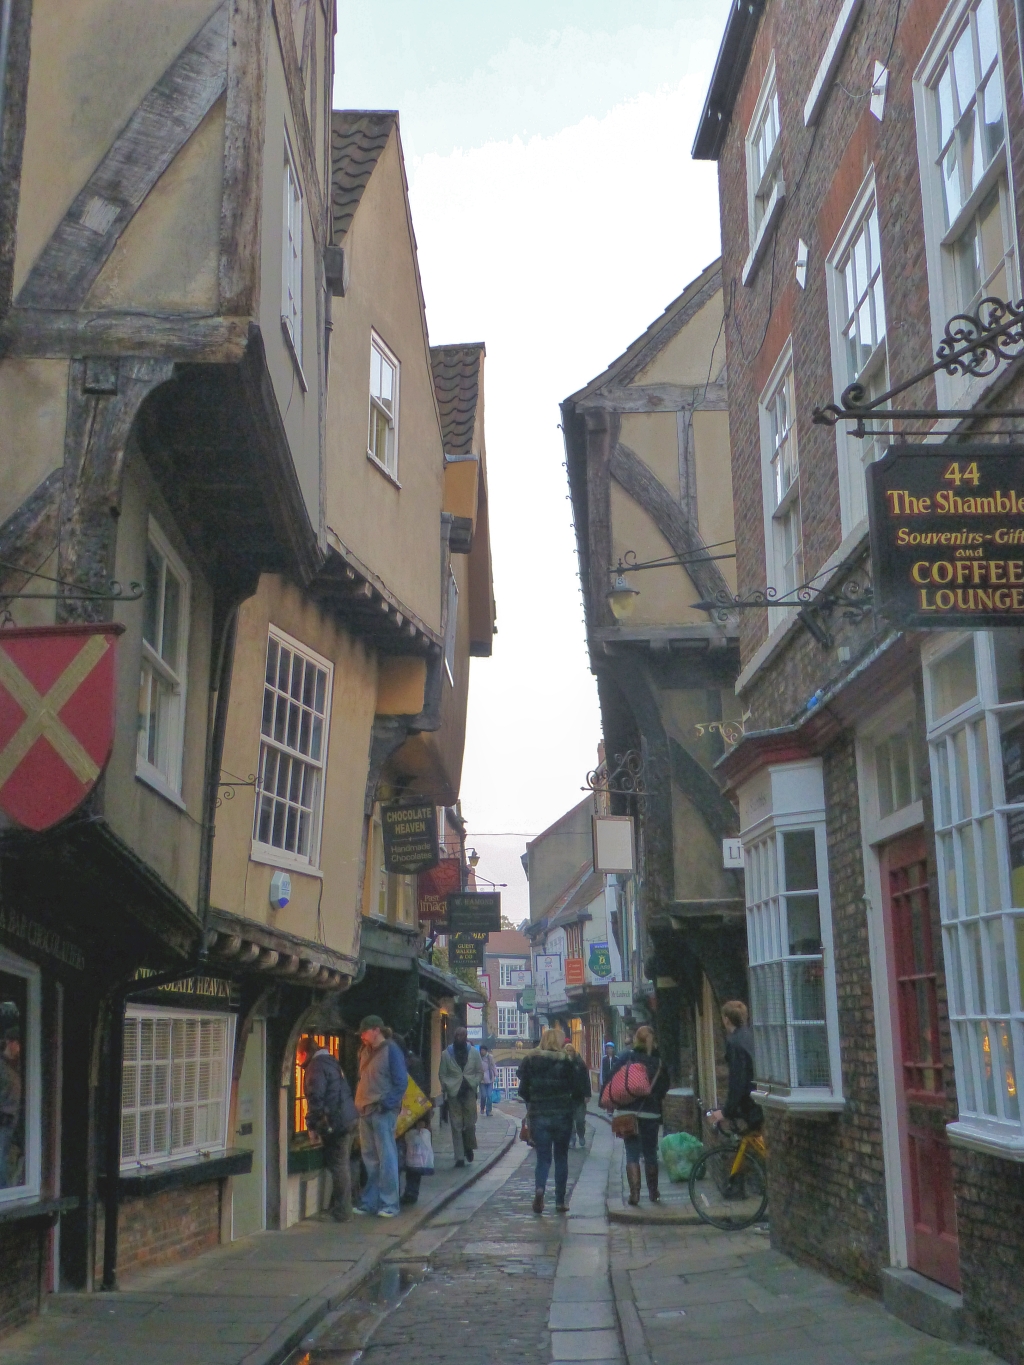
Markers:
point(853, 597)
point(973, 345)
point(70, 592)
point(624, 777)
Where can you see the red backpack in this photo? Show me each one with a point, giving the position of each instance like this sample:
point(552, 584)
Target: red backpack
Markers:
point(630, 1083)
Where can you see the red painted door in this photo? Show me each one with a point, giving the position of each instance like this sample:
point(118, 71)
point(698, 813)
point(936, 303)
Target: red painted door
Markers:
point(932, 1247)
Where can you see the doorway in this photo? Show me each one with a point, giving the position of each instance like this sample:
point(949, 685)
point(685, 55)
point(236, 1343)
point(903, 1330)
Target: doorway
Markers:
point(248, 1192)
point(932, 1245)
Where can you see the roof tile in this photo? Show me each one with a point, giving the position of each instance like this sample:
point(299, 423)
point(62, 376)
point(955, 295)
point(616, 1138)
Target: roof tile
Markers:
point(358, 136)
point(457, 385)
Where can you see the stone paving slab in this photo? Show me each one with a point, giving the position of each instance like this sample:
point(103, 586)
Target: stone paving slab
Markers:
point(586, 1345)
point(572, 1316)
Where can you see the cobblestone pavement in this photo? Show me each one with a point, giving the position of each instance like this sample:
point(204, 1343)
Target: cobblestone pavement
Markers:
point(703, 1295)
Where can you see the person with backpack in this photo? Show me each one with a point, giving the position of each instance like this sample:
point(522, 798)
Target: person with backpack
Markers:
point(331, 1114)
point(635, 1091)
point(550, 1084)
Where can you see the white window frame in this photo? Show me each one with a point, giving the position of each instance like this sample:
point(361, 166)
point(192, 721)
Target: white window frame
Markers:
point(992, 934)
point(31, 1043)
point(388, 466)
point(292, 233)
point(182, 1150)
point(776, 514)
point(783, 799)
point(451, 625)
point(943, 288)
point(167, 783)
point(522, 1021)
point(507, 1078)
point(267, 852)
point(767, 193)
point(378, 903)
point(508, 965)
point(855, 455)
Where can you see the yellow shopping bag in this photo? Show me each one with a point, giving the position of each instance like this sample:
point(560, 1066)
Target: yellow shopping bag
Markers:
point(414, 1106)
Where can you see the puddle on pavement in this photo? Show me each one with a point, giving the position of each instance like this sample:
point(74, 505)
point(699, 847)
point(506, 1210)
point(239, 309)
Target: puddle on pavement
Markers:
point(343, 1335)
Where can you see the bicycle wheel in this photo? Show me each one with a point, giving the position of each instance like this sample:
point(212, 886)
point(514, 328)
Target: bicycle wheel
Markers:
point(726, 1201)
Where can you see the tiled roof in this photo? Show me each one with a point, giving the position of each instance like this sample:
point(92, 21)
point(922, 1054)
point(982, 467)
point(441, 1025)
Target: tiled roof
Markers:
point(358, 136)
point(457, 385)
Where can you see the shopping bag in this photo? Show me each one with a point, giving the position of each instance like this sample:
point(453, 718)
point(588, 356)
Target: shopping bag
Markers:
point(414, 1106)
point(419, 1150)
point(631, 1082)
point(678, 1152)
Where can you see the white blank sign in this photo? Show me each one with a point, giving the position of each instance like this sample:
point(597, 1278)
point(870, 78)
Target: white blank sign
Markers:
point(613, 843)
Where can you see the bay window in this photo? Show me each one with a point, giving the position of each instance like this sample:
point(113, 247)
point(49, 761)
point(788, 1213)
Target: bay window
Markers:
point(975, 708)
point(789, 930)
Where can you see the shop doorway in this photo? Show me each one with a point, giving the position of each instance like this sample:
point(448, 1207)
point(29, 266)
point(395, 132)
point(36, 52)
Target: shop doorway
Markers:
point(248, 1192)
point(932, 1246)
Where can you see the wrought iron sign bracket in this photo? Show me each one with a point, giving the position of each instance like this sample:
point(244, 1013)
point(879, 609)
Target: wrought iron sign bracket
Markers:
point(974, 345)
point(852, 598)
point(625, 778)
point(73, 592)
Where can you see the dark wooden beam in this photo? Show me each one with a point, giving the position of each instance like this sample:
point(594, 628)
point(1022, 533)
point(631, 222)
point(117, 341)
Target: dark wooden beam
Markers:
point(13, 97)
point(56, 333)
point(304, 149)
point(602, 434)
point(659, 398)
point(163, 122)
point(238, 273)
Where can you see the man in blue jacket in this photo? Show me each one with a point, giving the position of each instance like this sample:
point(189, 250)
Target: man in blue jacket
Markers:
point(380, 1090)
point(330, 1113)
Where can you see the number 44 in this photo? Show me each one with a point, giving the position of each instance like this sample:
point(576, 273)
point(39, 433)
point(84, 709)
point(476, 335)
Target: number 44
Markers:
point(970, 475)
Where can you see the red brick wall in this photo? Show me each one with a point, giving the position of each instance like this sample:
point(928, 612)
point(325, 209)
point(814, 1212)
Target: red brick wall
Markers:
point(21, 1247)
point(159, 1229)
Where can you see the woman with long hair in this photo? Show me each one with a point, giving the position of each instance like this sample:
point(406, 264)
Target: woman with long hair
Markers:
point(641, 1137)
point(549, 1082)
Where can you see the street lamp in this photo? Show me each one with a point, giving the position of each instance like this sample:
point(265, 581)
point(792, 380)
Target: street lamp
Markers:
point(472, 857)
point(622, 598)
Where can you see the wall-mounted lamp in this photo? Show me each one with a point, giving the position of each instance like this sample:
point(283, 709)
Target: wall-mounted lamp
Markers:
point(622, 595)
point(622, 598)
point(472, 857)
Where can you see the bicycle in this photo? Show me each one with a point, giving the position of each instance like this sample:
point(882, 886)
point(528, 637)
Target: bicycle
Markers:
point(729, 1183)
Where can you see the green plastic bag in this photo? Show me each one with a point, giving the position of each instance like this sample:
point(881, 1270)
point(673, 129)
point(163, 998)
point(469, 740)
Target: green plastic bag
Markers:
point(678, 1153)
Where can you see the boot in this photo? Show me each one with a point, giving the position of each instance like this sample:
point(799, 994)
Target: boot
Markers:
point(652, 1184)
point(633, 1176)
point(538, 1202)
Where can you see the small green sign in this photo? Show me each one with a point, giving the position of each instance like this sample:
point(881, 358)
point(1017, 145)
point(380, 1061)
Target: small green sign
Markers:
point(600, 961)
point(528, 999)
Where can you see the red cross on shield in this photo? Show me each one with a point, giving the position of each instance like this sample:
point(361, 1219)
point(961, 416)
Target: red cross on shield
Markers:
point(56, 718)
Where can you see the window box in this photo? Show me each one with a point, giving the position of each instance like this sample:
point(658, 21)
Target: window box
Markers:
point(794, 1011)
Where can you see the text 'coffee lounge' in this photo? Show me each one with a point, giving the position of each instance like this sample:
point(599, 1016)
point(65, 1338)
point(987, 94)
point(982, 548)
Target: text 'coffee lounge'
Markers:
point(942, 535)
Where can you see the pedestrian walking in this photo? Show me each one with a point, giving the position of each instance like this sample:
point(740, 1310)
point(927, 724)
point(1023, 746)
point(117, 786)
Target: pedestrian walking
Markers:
point(740, 1109)
point(331, 1114)
point(487, 1084)
point(550, 1084)
point(383, 1078)
point(607, 1065)
point(412, 1149)
point(638, 1113)
point(579, 1114)
point(460, 1073)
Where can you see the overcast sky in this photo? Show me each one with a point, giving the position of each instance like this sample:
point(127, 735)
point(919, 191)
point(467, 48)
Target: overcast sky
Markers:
point(557, 213)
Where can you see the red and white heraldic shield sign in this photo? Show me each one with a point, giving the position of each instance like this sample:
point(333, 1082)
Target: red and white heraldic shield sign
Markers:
point(56, 718)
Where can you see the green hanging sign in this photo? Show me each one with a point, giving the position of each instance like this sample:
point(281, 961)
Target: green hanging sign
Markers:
point(600, 960)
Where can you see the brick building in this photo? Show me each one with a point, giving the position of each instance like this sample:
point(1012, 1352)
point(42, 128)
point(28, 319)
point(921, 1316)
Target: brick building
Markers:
point(870, 171)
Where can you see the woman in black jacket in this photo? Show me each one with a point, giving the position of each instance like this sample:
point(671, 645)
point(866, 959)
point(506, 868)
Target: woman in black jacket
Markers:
point(550, 1084)
point(648, 1114)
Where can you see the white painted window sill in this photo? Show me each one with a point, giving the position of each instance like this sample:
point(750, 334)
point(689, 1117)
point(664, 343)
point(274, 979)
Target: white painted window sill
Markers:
point(290, 343)
point(383, 469)
point(275, 857)
point(764, 232)
point(1009, 1146)
point(157, 782)
point(801, 1101)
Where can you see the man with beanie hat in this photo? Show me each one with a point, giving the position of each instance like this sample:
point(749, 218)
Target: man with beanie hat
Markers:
point(380, 1090)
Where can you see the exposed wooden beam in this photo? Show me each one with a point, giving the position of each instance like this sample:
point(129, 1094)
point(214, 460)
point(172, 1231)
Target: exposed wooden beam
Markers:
point(56, 333)
point(162, 123)
point(643, 486)
point(241, 210)
point(659, 398)
point(303, 136)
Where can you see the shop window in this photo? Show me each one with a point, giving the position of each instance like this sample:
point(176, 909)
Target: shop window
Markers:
point(507, 1079)
point(293, 753)
point(165, 621)
point(975, 703)
point(390, 896)
point(19, 1079)
point(332, 1042)
point(792, 980)
point(175, 1084)
point(512, 1023)
point(896, 771)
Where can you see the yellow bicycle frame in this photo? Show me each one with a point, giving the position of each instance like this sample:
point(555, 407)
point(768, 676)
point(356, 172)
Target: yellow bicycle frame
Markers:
point(755, 1141)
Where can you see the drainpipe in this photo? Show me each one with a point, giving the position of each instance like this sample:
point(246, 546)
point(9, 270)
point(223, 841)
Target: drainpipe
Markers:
point(6, 11)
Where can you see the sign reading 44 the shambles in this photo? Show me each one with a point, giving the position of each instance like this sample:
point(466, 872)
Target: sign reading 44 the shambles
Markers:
point(947, 535)
point(410, 837)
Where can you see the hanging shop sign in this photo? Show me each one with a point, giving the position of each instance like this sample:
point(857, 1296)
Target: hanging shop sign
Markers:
point(574, 972)
point(466, 949)
point(410, 836)
point(600, 960)
point(204, 992)
point(434, 886)
point(56, 718)
point(620, 992)
point(613, 843)
point(947, 535)
point(528, 1000)
point(519, 977)
point(474, 912)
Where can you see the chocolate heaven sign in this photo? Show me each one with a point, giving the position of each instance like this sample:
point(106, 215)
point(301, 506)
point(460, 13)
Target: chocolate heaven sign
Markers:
point(947, 535)
point(410, 836)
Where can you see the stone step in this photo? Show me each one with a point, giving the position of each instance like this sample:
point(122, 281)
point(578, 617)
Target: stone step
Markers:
point(924, 1304)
